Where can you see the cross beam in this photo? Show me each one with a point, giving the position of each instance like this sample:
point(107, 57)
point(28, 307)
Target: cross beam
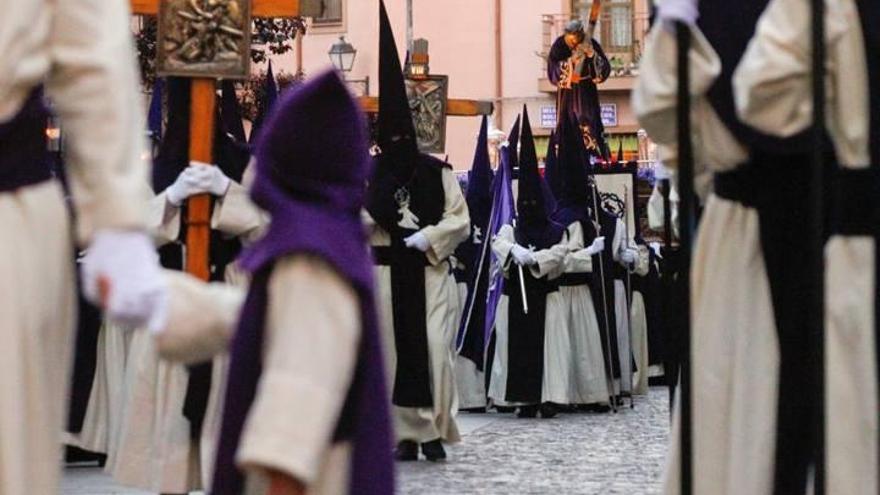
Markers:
point(454, 107)
point(259, 8)
point(201, 130)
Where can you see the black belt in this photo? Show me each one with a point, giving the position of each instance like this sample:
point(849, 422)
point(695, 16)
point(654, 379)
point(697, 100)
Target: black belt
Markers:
point(23, 152)
point(574, 279)
point(741, 185)
point(855, 202)
point(384, 256)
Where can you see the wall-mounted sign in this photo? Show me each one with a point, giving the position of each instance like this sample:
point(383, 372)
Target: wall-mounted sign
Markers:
point(609, 114)
point(548, 116)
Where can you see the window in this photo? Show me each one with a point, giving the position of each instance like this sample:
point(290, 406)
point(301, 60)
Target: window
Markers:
point(331, 13)
point(615, 30)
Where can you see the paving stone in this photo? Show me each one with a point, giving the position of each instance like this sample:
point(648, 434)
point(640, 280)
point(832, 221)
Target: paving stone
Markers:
point(572, 454)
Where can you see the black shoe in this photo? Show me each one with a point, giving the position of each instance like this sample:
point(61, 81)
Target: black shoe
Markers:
point(549, 410)
point(434, 451)
point(407, 451)
point(475, 410)
point(527, 412)
point(503, 409)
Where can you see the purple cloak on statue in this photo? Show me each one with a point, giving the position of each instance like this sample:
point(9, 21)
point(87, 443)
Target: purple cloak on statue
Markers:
point(313, 188)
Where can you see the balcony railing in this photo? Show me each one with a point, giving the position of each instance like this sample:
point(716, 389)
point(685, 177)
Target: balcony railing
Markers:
point(620, 31)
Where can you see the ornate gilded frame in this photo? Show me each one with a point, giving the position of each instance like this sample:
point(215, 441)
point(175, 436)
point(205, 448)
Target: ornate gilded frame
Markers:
point(204, 38)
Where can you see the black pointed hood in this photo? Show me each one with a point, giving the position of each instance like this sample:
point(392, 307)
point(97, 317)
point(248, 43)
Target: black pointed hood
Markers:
point(396, 131)
point(231, 112)
point(529, 176)
point(531, 204)
point(551, 166)
point(479, 192)
point(572, 162)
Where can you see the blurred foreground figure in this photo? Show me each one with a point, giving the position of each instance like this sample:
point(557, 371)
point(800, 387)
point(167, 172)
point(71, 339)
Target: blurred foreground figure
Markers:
point(774, 94)
point(306, 405)
point(80, 55)
point(752, 393)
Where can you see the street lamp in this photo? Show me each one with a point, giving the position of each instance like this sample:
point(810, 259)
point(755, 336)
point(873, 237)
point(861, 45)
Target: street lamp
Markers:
point(342, 54)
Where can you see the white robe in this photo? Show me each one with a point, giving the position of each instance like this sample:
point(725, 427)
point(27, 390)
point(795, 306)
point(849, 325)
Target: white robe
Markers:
point(310, 351)
point(85, 58)
point(556, 379)
point(773, 93)
point(589, 376)
point(622, 315)
point(155, 450)
point(427, 424)
point(733, 330)
point(639, 319)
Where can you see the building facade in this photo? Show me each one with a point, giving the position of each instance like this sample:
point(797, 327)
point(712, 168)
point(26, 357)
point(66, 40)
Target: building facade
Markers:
point(491, 50)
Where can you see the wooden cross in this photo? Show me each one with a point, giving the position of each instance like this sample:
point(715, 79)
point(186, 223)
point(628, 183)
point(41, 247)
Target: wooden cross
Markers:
point(201, 130)
point(455, 107)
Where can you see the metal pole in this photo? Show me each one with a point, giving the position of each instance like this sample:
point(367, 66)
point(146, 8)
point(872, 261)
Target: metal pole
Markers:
point(815, 241)
point(629, 295)
point(686, 229)
point(409, 26)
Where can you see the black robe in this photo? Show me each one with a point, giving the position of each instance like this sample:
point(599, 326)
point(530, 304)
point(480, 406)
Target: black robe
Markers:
point(581, 99)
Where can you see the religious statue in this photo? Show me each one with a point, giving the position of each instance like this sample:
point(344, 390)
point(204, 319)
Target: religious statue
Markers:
point(576, 65)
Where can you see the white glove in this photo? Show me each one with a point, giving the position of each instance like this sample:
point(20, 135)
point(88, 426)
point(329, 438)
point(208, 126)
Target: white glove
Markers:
point(596, 247)
point(198, 178)
point(121, 273)
point(672, 11)
point(522, 256)
point(628, 256)
point(418, 241)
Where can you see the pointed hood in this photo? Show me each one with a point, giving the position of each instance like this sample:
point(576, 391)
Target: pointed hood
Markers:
point(231, 112)
point(315, 210)
point(531, 203)
point(479, 191)
point(396, 131)
point(266, 102)
point(173, 155)
point(551, 166)
point(572, 160)
point(511, 152)
point(154, 117)
point(325, 115)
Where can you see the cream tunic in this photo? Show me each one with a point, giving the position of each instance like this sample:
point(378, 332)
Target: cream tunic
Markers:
point(774, 93)
point(82, 51)
point(639, 319)
point(155, 451)
point(426, 424)
point(310, 353)
point(733, 331)
point(589, 380)
point(556, 379)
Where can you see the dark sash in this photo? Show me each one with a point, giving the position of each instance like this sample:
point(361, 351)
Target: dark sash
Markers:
point(774, 185)
point(525, 342)
point(412, 379)
point(24, 157)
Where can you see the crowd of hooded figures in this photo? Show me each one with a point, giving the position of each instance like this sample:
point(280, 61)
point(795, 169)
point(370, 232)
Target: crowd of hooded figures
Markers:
point(357, 303)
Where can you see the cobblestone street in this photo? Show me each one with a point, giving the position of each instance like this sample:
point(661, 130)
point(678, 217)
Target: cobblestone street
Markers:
point(572, 454)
